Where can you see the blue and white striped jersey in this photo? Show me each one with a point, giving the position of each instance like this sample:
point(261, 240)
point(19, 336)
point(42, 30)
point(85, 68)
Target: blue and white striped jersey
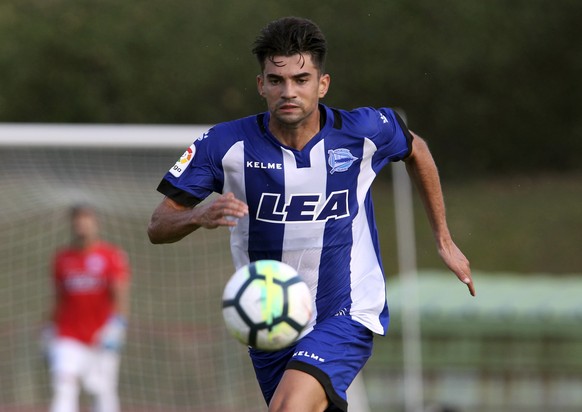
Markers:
point(309, 208)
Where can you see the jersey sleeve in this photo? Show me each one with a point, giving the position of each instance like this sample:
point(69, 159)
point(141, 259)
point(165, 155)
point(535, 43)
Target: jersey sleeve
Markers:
point(396, 141)
point(120, 268)
point(195, 175)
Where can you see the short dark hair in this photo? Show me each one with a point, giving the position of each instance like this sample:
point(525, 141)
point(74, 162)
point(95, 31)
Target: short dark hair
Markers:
point(79, 209)
point(288, 36)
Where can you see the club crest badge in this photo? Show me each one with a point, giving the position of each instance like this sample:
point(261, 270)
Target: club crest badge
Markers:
point(340, 160)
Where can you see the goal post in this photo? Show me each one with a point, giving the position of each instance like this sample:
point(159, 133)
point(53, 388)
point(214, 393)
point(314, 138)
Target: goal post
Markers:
point(99, 136)
point(410, 318)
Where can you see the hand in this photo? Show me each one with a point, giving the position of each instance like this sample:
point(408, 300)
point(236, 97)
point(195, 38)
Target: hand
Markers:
point(112, 334)
point(224, 210)
point(458, 263)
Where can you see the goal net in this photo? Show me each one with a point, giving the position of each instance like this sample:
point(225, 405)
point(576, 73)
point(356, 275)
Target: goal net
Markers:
point(178, 355)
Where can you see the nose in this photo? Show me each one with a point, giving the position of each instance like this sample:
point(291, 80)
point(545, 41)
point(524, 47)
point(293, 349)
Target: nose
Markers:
point(288, 90)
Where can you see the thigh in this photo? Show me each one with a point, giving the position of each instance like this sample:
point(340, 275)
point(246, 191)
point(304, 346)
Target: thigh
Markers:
point(333, 353)
point(269, 369)
point(324, 362)
point(68, 357)
point(299, 391)
point(102, 373)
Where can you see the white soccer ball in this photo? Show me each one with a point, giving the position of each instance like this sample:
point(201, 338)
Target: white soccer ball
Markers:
point(266, 305)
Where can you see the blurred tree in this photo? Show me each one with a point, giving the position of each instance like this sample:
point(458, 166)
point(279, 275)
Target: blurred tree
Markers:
point(493, 85)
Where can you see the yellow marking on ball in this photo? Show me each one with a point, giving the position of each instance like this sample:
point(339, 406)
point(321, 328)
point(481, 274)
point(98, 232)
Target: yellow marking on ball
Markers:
point(269, 291)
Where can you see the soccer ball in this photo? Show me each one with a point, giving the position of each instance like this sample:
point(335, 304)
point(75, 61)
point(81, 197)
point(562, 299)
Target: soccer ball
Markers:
point(266, 305)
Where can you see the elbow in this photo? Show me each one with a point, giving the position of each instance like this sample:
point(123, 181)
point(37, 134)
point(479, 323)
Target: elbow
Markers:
point(154, 235)
point(153, 239)
point(159, 237)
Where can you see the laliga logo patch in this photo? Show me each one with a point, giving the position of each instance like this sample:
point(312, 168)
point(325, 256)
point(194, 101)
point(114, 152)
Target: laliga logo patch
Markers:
point(183, 162)
point(186, 156)
point(340, 160)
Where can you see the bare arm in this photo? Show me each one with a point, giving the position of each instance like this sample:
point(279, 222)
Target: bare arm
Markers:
point(113, 332)
point(423, 171)
point(121, 297)
point(172, 221)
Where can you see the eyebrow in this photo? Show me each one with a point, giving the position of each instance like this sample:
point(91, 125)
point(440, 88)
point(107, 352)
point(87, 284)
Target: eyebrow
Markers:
point(296, 76)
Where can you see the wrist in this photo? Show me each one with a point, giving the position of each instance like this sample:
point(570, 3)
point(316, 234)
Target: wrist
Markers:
point(442, 237)
point(119, 319)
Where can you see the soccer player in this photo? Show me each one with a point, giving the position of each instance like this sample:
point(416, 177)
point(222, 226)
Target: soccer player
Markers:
point(87, 331)
point(294, 185)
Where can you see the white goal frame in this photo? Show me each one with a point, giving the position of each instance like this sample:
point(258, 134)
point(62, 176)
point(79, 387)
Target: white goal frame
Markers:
point(98, 136)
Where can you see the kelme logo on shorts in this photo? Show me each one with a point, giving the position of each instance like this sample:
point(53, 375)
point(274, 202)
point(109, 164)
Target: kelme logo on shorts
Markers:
point(310, 355)
point(340, 160)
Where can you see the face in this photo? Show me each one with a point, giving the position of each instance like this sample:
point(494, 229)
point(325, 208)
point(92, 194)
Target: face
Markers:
point(292, 87)
point(85, 227)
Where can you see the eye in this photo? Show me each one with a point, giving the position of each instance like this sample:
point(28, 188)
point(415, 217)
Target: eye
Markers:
point(274, 81)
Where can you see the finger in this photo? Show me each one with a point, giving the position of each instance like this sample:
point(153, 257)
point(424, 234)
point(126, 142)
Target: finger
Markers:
point(469, 282)
point(471, 289)
point(234, 212)
point(238, 208)
point(466, 279)
point(234, 205)
point(228, 222)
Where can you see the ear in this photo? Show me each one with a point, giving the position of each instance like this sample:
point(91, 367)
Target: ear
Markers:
point(260, 83)
point(324, 81)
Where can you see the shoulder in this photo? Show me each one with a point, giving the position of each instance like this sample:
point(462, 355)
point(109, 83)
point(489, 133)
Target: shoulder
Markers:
point(234, 128)
point(222, 136)
point(110, 249)
point(367, 121)
point(62, 253)
point(116, 256)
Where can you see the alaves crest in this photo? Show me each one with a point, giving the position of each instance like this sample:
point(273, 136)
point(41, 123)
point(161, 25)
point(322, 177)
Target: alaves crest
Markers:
point(340, 160)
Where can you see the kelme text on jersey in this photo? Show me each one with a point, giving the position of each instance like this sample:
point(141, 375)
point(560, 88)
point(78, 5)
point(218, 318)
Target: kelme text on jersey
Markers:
point(264, 165)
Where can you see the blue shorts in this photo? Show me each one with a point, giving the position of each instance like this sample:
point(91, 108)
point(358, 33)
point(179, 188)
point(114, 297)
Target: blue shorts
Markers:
point(333, 353)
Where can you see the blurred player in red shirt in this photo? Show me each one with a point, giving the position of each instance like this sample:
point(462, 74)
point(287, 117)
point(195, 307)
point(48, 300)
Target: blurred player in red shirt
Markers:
point(91, 279)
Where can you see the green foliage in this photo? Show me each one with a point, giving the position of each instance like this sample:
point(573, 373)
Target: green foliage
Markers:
point(492, 85)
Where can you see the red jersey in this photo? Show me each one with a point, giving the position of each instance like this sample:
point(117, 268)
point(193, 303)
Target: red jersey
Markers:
point(83, 282)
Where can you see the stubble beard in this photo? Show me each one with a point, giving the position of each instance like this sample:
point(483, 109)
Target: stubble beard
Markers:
point(292, 120)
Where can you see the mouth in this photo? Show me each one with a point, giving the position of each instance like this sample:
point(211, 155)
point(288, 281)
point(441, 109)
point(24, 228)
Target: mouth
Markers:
point(287, 107)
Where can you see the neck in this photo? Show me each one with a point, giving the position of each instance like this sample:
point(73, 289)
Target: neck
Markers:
point(83, 243)
point(296, 135)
